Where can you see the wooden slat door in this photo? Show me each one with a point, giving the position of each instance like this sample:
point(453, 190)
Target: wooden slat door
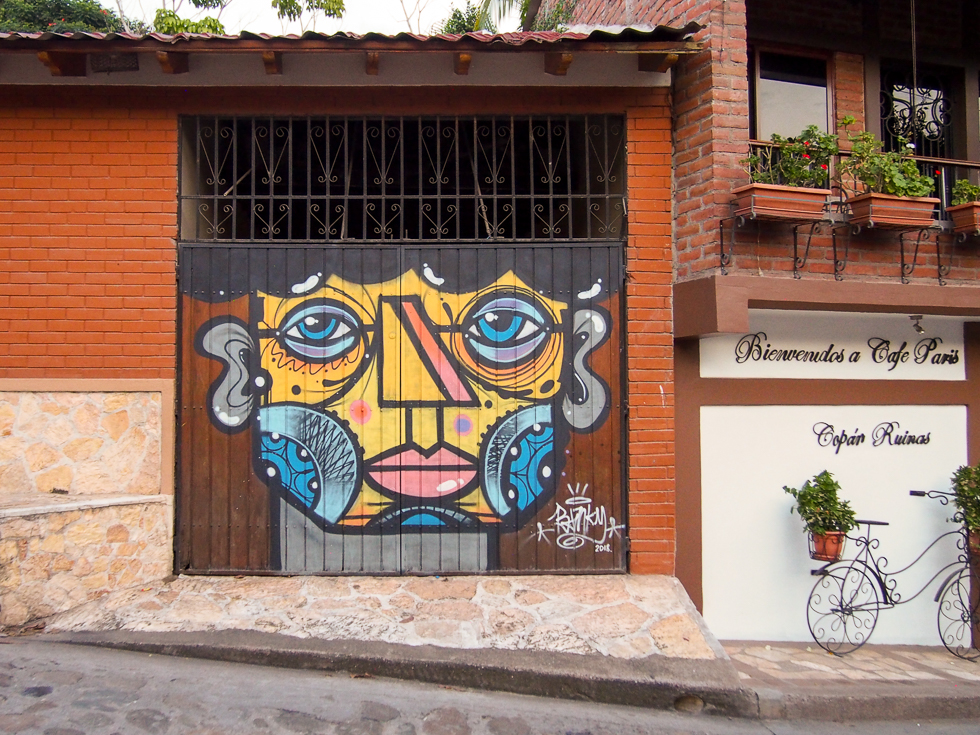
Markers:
point(401, 408)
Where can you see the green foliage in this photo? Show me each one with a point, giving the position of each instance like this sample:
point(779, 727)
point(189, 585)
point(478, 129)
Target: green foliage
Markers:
point(554, 15)
point(820, 507)
point(964, 192)
point(57, 16)
point(462, 21)
point(293, 9)
point(800, 161)
point(966, 489)
point(893, 172)
point(167, 21)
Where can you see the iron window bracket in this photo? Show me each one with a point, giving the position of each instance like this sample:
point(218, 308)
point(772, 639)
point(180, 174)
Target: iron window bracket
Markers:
point(922, 235)
point(809, 228)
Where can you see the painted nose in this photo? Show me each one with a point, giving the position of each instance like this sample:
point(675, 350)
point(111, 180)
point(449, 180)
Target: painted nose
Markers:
point(416, 369)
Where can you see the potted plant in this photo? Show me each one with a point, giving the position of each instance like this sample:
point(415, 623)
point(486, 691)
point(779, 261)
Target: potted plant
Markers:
point(827, 517)
point(790, 178)
point(966, 498)
point(965, 211)
point(888, 190)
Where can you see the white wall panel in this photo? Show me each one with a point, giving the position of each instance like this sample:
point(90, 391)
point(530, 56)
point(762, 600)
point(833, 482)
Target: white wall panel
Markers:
point(756, 570)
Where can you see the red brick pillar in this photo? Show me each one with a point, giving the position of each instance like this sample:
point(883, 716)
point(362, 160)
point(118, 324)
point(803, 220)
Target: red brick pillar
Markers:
point(711, 133)
point(650, 337)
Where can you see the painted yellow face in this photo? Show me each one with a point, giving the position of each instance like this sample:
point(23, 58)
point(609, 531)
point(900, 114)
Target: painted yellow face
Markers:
point(418, 377)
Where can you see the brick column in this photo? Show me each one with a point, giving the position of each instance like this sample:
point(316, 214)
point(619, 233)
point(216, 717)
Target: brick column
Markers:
point(649, 337)
point(711, 133)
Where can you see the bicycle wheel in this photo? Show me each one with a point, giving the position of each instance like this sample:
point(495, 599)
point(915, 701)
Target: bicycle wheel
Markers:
point(842, 609)
point(959, 617)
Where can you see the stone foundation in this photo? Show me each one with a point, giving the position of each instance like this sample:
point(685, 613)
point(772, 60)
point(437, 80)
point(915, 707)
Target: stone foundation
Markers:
point(55, 556)
point(83, 443)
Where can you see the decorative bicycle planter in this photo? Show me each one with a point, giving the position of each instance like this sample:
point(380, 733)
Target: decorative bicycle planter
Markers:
point(843, 606)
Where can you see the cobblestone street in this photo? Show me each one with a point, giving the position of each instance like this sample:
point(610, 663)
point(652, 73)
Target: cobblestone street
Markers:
point(58, 689)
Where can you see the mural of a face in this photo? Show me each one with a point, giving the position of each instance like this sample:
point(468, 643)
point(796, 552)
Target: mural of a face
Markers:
point(402, 404)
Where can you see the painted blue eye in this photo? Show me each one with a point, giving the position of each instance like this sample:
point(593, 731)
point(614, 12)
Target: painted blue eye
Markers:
point(321, 331)
point(506, 330)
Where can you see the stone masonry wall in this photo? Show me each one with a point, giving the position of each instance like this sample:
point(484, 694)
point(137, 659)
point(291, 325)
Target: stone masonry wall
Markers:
point(85, 443)
point(53, 561)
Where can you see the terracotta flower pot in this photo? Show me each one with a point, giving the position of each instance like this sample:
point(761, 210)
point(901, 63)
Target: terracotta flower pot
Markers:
point(769, 201)
point(885, 210)
point(828, 546)
point(966, 217)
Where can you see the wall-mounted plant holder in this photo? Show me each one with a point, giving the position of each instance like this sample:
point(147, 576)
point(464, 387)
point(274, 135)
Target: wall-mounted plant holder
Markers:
point(922, 236)
point(966, 220)
point(803, 209)
point(873, 210)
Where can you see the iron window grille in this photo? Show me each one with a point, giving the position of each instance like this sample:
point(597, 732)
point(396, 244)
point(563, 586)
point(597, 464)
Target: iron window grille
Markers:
point(398, 179)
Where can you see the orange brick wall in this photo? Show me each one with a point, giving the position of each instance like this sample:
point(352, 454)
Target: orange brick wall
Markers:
point(87, 256)
point(650, 339)
point(848, 76)
point(711, 134)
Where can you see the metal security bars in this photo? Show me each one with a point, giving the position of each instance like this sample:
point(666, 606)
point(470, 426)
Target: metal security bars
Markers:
point(343, 179)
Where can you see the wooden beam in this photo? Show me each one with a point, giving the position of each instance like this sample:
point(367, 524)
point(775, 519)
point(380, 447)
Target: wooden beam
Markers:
point(372, 63)
point(656, 62)
point(461, 64)
point(173, 62)
point(557, 64)
point(206, 44)
point(272, 61)
point(64, 64)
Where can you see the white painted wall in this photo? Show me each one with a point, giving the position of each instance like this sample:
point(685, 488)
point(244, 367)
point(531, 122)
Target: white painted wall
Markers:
point(850, 336)
point(756, 569)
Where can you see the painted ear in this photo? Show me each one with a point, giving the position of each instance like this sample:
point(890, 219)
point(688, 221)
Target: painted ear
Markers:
point(230, 399)
point(586, 405)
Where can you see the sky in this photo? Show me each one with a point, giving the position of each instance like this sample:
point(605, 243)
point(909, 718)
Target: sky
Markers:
point(361, 16)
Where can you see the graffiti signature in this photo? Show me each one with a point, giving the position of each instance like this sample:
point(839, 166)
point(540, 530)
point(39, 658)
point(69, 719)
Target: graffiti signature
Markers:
point(576, 523)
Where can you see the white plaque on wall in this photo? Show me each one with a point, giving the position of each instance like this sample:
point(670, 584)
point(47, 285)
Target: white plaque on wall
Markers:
point(824, 345)
point(755, 567)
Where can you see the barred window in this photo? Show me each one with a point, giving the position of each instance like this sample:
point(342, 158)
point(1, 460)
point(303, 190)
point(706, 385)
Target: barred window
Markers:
point(322, 179)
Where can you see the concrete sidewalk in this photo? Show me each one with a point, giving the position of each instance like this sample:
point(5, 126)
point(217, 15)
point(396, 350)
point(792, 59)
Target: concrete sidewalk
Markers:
point(802, 681)
point(621, 639)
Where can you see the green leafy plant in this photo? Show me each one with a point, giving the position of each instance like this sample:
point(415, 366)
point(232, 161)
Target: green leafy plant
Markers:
point(57, 16)
point(966, 489)
point(819, 506)
point(463, 21)
point(800, 161)
point(964, 192)
point(553, 15)
point(167, 21)
point(880, 171)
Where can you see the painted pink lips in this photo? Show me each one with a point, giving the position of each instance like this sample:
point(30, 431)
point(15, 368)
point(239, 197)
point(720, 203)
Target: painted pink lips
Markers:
point(410, 472)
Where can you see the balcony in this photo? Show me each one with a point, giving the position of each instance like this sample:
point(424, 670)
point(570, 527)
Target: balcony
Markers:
point(929, 230)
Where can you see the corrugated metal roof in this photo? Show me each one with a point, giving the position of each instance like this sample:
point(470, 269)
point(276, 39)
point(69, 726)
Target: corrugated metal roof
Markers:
point(354, 40)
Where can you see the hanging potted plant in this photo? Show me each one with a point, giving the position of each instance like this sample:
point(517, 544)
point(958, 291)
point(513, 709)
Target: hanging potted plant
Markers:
point(888, 190)
point(826, 516)
point(965, 211)
point(966, 498)
point(790, 178)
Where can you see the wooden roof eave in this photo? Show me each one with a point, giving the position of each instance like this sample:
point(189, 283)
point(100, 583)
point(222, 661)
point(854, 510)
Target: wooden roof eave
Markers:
point(279, 45)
